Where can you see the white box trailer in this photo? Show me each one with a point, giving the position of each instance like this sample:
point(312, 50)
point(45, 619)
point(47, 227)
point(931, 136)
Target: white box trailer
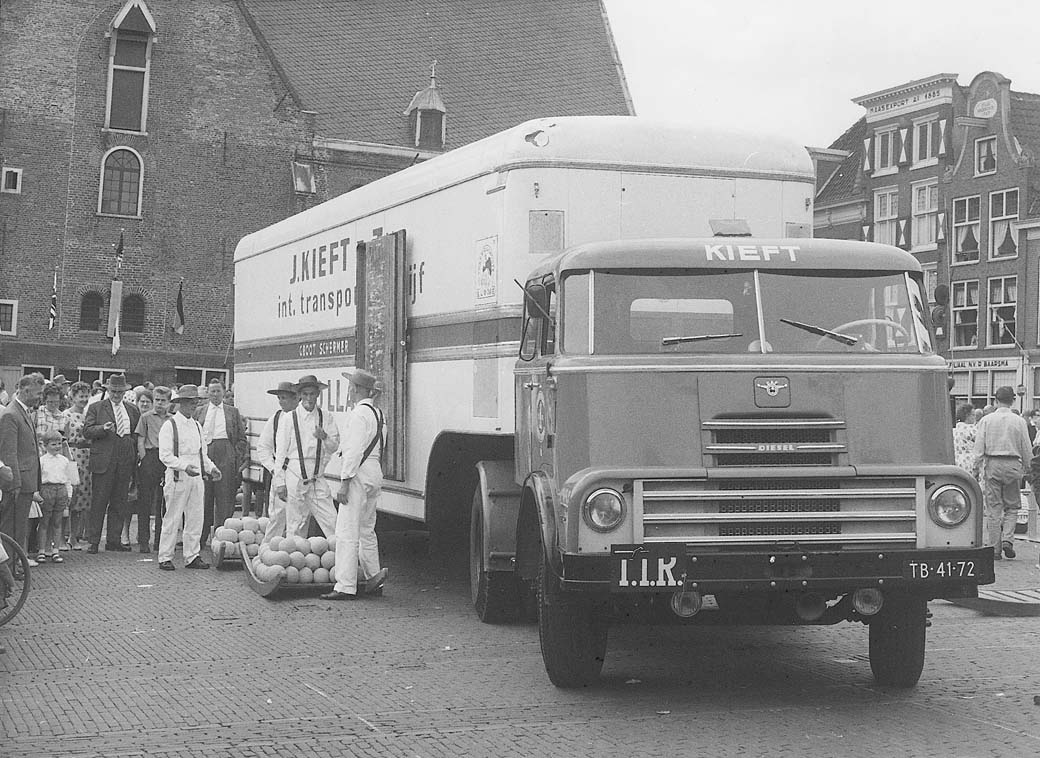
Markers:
point(412, 276)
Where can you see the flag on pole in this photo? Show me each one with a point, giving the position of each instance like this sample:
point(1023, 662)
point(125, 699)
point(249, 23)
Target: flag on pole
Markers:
point(115, 337)
point(53, 315)
point(178, 324)
point(119, 247)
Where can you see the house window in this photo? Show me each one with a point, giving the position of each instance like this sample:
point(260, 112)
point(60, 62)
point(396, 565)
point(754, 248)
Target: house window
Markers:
point(46, 371)
point(885, 152)
point(926, 211)
point(965, 300)
point(9, 317)
point(1003, 297)
point(926, 142)
point(90, 308)
point(200, 377)
point(985, 156)
point(12, 181)
point(966, 229)
point(129, 68)
point(132, 317)
point(886, 210)
point(1003, 209)
point(931, 280)
point(121, 183)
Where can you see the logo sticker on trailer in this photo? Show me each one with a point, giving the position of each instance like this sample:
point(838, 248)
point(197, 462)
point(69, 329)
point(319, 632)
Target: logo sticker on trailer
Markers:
point(486, 280)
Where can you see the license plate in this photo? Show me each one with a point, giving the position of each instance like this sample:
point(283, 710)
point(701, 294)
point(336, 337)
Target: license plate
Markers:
point(644, 571)
point(938, 570)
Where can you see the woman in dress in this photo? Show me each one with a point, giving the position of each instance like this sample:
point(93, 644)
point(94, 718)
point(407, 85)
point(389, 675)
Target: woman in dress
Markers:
point(964, 439)
point(79, 448)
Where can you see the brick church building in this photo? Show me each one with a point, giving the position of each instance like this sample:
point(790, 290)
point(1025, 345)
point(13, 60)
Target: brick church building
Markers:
point(141, 139)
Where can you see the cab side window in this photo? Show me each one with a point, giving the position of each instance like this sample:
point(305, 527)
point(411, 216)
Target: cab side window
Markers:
point(548, 346)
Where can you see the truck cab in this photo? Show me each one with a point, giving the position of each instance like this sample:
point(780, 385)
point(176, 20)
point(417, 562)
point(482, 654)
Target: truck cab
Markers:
point(733, 431)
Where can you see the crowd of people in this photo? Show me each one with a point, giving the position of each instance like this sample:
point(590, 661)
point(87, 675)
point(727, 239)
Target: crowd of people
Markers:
point(79, 463)
point(996, 445)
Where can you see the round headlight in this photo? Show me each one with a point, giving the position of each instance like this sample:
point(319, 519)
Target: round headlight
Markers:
point(603, 510)
point(949, 506)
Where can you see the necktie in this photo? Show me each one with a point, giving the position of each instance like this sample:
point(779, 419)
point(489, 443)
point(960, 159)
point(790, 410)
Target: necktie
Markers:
point(122, 422)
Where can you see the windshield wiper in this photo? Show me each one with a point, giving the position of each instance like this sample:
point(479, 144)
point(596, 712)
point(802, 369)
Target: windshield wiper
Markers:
point(844, 339)
point(697, 338)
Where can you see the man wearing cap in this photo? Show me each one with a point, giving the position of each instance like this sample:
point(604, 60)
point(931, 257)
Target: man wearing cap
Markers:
point(361, 478)
point(227, 446)
point(306, 438)
point(110, 424)
point(1002, 442)
point(182, 449)
point(268, 455)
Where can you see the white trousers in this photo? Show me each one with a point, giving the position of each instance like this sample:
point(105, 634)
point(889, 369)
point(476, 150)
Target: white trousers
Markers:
point(356, 528)
point(305, 500)
point(184, 499)
point(277, 512)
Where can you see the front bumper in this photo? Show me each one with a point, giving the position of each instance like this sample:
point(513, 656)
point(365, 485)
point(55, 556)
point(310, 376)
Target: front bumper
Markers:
point(669, 567)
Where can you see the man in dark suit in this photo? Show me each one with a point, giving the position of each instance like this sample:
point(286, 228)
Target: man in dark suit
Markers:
point(20, 451)
point(228, 448)
point(110, 426)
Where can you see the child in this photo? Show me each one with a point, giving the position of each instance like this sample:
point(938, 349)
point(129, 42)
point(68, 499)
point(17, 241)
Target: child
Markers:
point(58, 475)
point(150, 471)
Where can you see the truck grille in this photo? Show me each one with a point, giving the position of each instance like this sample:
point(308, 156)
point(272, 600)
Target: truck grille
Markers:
point(774, 441)
point(861, 512)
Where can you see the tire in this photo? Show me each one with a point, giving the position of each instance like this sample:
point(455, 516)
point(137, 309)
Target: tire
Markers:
point(19, 564)
point(572, 632)
point(495, 594)
point(897, 642)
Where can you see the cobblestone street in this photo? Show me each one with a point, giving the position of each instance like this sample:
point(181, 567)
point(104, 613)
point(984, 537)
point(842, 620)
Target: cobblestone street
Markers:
point(111, 657)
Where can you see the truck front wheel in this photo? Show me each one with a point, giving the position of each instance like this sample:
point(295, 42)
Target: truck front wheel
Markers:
point(897, 640)
point(495, 594)
point(572, 632)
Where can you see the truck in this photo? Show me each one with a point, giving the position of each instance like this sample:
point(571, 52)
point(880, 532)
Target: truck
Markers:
point(622, 378)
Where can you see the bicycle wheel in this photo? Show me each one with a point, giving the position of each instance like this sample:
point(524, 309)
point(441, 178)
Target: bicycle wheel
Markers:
point(19, 563)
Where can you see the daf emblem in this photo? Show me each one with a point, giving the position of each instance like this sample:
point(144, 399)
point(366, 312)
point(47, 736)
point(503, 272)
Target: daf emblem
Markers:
point(772, 392)
point(772, 386)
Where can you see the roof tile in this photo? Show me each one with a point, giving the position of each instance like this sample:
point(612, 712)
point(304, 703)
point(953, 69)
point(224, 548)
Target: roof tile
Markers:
point(359, 63)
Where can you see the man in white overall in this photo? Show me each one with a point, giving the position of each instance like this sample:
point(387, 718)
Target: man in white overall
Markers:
point(269, 458)
point(306, 439)
point(182, 449)
point(362, 483)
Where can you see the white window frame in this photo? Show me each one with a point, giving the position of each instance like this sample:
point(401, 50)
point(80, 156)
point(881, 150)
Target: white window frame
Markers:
point(1009, 219)
point(931, 280)
point(977, 155)
point(929, 217)
point(140, 183)
point(957, 226)
point(882, 136)
point(15, 172)
point(889, 221)
point(113, 67)
point(207, 374)
point(13, 331)
point(47, 371)
point(931, 127)
point(954, 309)
point(991, 310)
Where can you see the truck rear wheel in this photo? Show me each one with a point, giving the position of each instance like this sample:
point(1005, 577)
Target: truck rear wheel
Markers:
point(897, 641)
point(572, 632)
point(495, 594)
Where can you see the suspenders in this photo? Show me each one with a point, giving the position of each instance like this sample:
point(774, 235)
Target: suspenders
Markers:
point(177, 449)
point(299, 448)
point(378, 438)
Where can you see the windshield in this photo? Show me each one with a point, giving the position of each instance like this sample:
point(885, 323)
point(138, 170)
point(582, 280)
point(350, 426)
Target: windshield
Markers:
point(633, 312)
